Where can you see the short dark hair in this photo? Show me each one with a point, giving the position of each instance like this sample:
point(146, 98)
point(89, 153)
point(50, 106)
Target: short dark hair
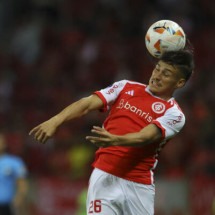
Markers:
point(182, 60)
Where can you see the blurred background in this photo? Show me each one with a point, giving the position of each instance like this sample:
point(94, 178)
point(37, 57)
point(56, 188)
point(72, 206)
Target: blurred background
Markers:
point(53, 52)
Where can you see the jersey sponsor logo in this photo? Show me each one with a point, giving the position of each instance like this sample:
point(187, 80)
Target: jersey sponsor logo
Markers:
point(131, 92)
point(175, 121)
point(126, 105)
point(158, 107)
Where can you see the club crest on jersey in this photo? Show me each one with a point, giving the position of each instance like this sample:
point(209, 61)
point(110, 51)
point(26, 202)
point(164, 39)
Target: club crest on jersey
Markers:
point(158, 107)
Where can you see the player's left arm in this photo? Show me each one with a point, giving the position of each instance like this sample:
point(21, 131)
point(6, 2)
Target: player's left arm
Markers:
point(21, 192)
point(147, 135)
point(20, 173)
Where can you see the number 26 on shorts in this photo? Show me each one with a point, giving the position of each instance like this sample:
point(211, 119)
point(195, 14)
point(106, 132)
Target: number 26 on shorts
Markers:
point(95, 207)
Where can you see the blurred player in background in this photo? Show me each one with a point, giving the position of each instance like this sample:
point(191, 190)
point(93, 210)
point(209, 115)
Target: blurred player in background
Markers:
point(13, 182)
point(142, 118)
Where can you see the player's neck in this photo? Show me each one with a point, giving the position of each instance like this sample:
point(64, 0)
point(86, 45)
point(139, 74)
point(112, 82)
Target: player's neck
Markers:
point(165, 97)
point(160, 96)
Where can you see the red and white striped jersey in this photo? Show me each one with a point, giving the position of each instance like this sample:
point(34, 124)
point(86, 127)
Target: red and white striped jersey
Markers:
point(132, 107)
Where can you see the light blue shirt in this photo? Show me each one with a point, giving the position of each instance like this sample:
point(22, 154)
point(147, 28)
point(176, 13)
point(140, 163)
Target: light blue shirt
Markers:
point(11, 169)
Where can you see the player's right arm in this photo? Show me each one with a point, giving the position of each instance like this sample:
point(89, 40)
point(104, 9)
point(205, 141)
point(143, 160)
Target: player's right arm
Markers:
point(47, 129)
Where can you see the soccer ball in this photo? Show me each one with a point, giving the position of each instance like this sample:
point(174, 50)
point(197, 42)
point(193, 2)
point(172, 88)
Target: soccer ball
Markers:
point(164, 35)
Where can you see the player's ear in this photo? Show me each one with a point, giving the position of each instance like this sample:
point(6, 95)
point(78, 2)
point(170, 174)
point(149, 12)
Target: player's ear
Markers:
point(181, 82)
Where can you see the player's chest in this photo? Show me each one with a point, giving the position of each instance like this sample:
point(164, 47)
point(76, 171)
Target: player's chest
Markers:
point(140, 105)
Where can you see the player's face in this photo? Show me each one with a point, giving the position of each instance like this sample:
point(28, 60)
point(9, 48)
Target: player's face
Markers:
point(165, 79)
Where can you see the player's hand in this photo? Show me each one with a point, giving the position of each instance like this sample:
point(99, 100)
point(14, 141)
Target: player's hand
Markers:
point(103, 139)
point(44, 131)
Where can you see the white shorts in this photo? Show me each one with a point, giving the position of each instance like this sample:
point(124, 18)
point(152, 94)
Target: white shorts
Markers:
point(111, 195)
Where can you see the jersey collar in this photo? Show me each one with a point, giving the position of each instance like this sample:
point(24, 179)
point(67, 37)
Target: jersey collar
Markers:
point(148, 91)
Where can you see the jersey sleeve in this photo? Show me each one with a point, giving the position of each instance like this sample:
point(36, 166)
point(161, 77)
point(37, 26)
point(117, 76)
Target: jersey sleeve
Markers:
point(19, 168)
point(109, 94)
point(171, 122)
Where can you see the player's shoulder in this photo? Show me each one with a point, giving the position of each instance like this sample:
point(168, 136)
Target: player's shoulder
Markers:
point(135, 83)
point(130, 83)
point(174, 109)
point(13, 159)
point(174, 104)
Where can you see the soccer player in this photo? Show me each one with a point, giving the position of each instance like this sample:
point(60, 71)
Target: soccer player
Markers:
point(142, 118)
point(13, 182)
